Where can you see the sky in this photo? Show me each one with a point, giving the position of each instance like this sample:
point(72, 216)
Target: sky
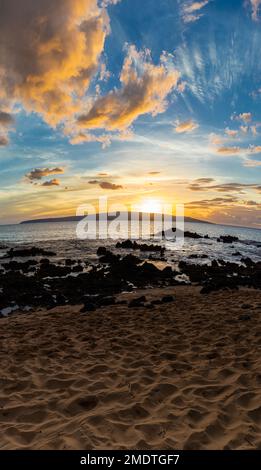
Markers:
point(147, 103)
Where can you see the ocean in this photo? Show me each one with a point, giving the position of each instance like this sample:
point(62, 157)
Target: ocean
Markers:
point(61, 237)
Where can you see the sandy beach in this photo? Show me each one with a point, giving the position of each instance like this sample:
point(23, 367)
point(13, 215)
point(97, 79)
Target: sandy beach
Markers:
point(180, 375)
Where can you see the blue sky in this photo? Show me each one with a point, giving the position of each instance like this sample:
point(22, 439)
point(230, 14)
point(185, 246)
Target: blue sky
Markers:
point(193, 109)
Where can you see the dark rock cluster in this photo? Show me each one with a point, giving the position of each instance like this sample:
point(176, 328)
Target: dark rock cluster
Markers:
point(42, 283)
point(227, 239)
point(39, 282)
point(133, 245)
point(223, 275)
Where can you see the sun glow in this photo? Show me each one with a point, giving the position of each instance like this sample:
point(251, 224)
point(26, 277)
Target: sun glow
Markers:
point(150, 205)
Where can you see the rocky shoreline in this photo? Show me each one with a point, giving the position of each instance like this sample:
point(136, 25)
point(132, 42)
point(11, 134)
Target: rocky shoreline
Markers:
point(32, 278)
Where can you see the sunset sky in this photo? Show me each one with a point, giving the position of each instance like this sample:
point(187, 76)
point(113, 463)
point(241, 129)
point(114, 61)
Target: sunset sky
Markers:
point(140, 101)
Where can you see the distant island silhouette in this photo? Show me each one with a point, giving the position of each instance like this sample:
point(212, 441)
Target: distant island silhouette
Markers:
point(75, 218)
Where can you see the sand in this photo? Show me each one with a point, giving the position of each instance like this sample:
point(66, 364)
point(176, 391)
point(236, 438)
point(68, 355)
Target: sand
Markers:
point(184, 375)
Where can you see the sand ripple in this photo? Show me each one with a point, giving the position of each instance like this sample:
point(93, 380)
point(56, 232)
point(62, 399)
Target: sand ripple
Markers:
point(185, 375)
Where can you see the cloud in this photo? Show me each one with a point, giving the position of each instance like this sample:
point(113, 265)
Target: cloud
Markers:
point(144, 90)
point(186, 126)
point(245, 117)
point(106, 185)
point(224, 188)
point(190, 10)
point(255, 149)
point(4, 141)
point(106, 3)
point(229, 150)
point(251, 203)
point(39, 173)
point(215, 139)
point(230, 132)
point(204, 180)
point(255, 4)
point(82, 137)
point(53, 182)
point(244, 129)
point(208, 203)
point(252, 163)
point(154, 173)
point(49, 54)
point(6, 120)
point(94, 182)
point(251, 150)
point(50, 51)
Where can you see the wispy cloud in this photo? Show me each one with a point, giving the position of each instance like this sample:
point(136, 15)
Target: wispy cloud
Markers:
point(191, 9)
point(223, 187)
point(186, 126)
point(229, 150)
point(252, 163)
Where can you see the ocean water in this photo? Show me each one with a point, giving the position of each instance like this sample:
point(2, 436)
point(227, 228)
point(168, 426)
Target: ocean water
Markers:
point(61, 237)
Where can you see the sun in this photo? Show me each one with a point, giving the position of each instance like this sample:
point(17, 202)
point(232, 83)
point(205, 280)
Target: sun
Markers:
point(150, 205)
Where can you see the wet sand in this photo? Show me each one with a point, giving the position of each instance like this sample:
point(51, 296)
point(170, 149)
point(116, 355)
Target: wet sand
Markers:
point(183, 375)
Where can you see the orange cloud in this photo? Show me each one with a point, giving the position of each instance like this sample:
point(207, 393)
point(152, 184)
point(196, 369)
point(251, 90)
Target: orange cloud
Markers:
point(50, 183)
point(229, 150)
point(187, 126)
point(144, 90)
point(50, 51)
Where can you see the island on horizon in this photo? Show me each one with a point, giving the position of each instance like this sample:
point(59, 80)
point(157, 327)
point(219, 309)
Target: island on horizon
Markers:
point(75, 218)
